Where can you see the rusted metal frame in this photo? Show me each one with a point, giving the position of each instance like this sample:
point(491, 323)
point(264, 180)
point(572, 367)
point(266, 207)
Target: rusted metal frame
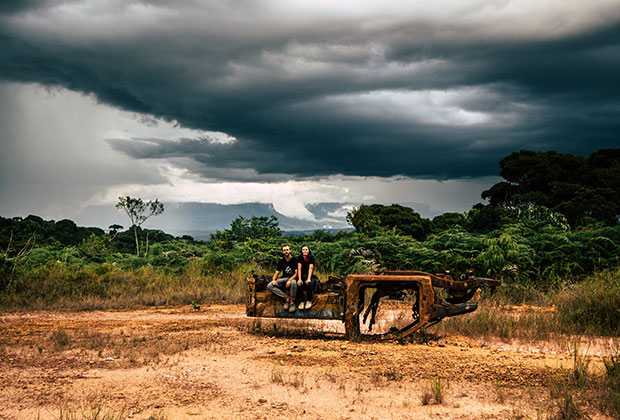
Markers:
point(431, 307)
point(371, 308)
point(437, 310)
point(262, 303)
point(250, 302)
point(356, 284)
point(445, 280)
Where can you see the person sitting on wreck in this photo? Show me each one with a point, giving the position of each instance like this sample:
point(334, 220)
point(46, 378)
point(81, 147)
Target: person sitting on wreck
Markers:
point(306, 280)
point(288, 267)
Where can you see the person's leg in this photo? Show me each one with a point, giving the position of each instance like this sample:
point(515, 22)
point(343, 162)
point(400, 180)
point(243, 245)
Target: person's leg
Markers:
point(301, 291)
point(310, 292)
point(310, 288)
point(293, 290)
point(290, 297)
point(276, 290)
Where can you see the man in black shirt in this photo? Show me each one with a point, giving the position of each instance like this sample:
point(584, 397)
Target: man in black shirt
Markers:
point(288, 267)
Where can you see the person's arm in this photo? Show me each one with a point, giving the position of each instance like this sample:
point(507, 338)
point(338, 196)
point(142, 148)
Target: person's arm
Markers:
point(310, 268)
point(275, 277)
point(288, 283)
point(295, 268)
point(298, 272)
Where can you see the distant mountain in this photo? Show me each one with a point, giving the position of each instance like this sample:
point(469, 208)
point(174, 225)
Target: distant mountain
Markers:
point(199, 220)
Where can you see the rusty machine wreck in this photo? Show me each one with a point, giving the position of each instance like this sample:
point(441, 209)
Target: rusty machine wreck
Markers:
point(356, 298)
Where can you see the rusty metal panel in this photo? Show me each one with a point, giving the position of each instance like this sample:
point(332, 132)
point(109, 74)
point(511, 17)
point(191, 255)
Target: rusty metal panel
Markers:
point(328, 303)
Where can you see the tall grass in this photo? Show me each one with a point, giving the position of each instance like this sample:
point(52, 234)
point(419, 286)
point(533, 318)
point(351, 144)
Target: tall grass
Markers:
point(591, 307)
point(75, 286)
point(500, 323)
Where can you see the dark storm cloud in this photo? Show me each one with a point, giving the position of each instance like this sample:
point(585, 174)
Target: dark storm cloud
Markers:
point(327, 95)
point(16, 6)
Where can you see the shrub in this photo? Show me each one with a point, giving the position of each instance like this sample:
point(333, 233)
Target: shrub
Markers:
point(592, 306)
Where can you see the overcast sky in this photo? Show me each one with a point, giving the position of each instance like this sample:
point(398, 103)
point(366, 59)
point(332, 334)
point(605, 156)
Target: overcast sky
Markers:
point(294, 102)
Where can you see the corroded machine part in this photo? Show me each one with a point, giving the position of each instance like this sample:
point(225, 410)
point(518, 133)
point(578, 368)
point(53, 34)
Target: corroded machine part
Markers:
point(428, 306)
point(432, 296)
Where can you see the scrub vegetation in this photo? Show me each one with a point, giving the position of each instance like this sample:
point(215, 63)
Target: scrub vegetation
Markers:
point(541, 260)
point(544, 258)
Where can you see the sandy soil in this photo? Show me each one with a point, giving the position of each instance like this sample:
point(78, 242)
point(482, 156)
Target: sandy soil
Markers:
point(179, 363)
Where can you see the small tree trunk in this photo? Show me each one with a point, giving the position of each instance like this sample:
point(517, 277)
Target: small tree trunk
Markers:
point(135, 233)
point(146, 253)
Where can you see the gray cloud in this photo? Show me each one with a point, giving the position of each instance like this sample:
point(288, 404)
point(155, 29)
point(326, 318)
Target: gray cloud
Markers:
point(12, 7)
point(313, 95)
point(52, 158)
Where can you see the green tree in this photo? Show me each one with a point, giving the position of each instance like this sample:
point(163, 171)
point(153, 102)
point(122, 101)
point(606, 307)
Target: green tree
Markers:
point(502, 255)
point(448, 220)
point(138, 212)
point(484, 219)
point(404, 220)
point(539, 217)
point(585, 190)
point(113, 230)
point(364, 220)
point(262, 227)
point(241, 229)
point(94, 247)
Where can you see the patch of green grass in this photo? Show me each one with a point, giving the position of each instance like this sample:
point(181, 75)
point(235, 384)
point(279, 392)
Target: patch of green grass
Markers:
point(580, 366)
point(567, 408)
point(492, 321)
point(296, 380)
point(513, 293)
point(435, 392)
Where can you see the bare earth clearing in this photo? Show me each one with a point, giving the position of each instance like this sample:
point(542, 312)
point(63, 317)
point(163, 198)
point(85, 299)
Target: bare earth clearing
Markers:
point(178, 363)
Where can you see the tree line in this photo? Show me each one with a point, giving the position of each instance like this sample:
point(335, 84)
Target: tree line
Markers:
point(515, 238)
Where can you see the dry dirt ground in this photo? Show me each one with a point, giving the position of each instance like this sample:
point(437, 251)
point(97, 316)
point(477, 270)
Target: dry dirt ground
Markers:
point(214, 363)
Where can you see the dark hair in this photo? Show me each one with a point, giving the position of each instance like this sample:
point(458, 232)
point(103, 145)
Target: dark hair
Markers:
point(309, 250)
point(283, 245)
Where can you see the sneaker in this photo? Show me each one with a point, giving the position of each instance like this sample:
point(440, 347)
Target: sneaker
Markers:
point(286, 305)
point(301, 306)
point(291, 308)
point(308, 304)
